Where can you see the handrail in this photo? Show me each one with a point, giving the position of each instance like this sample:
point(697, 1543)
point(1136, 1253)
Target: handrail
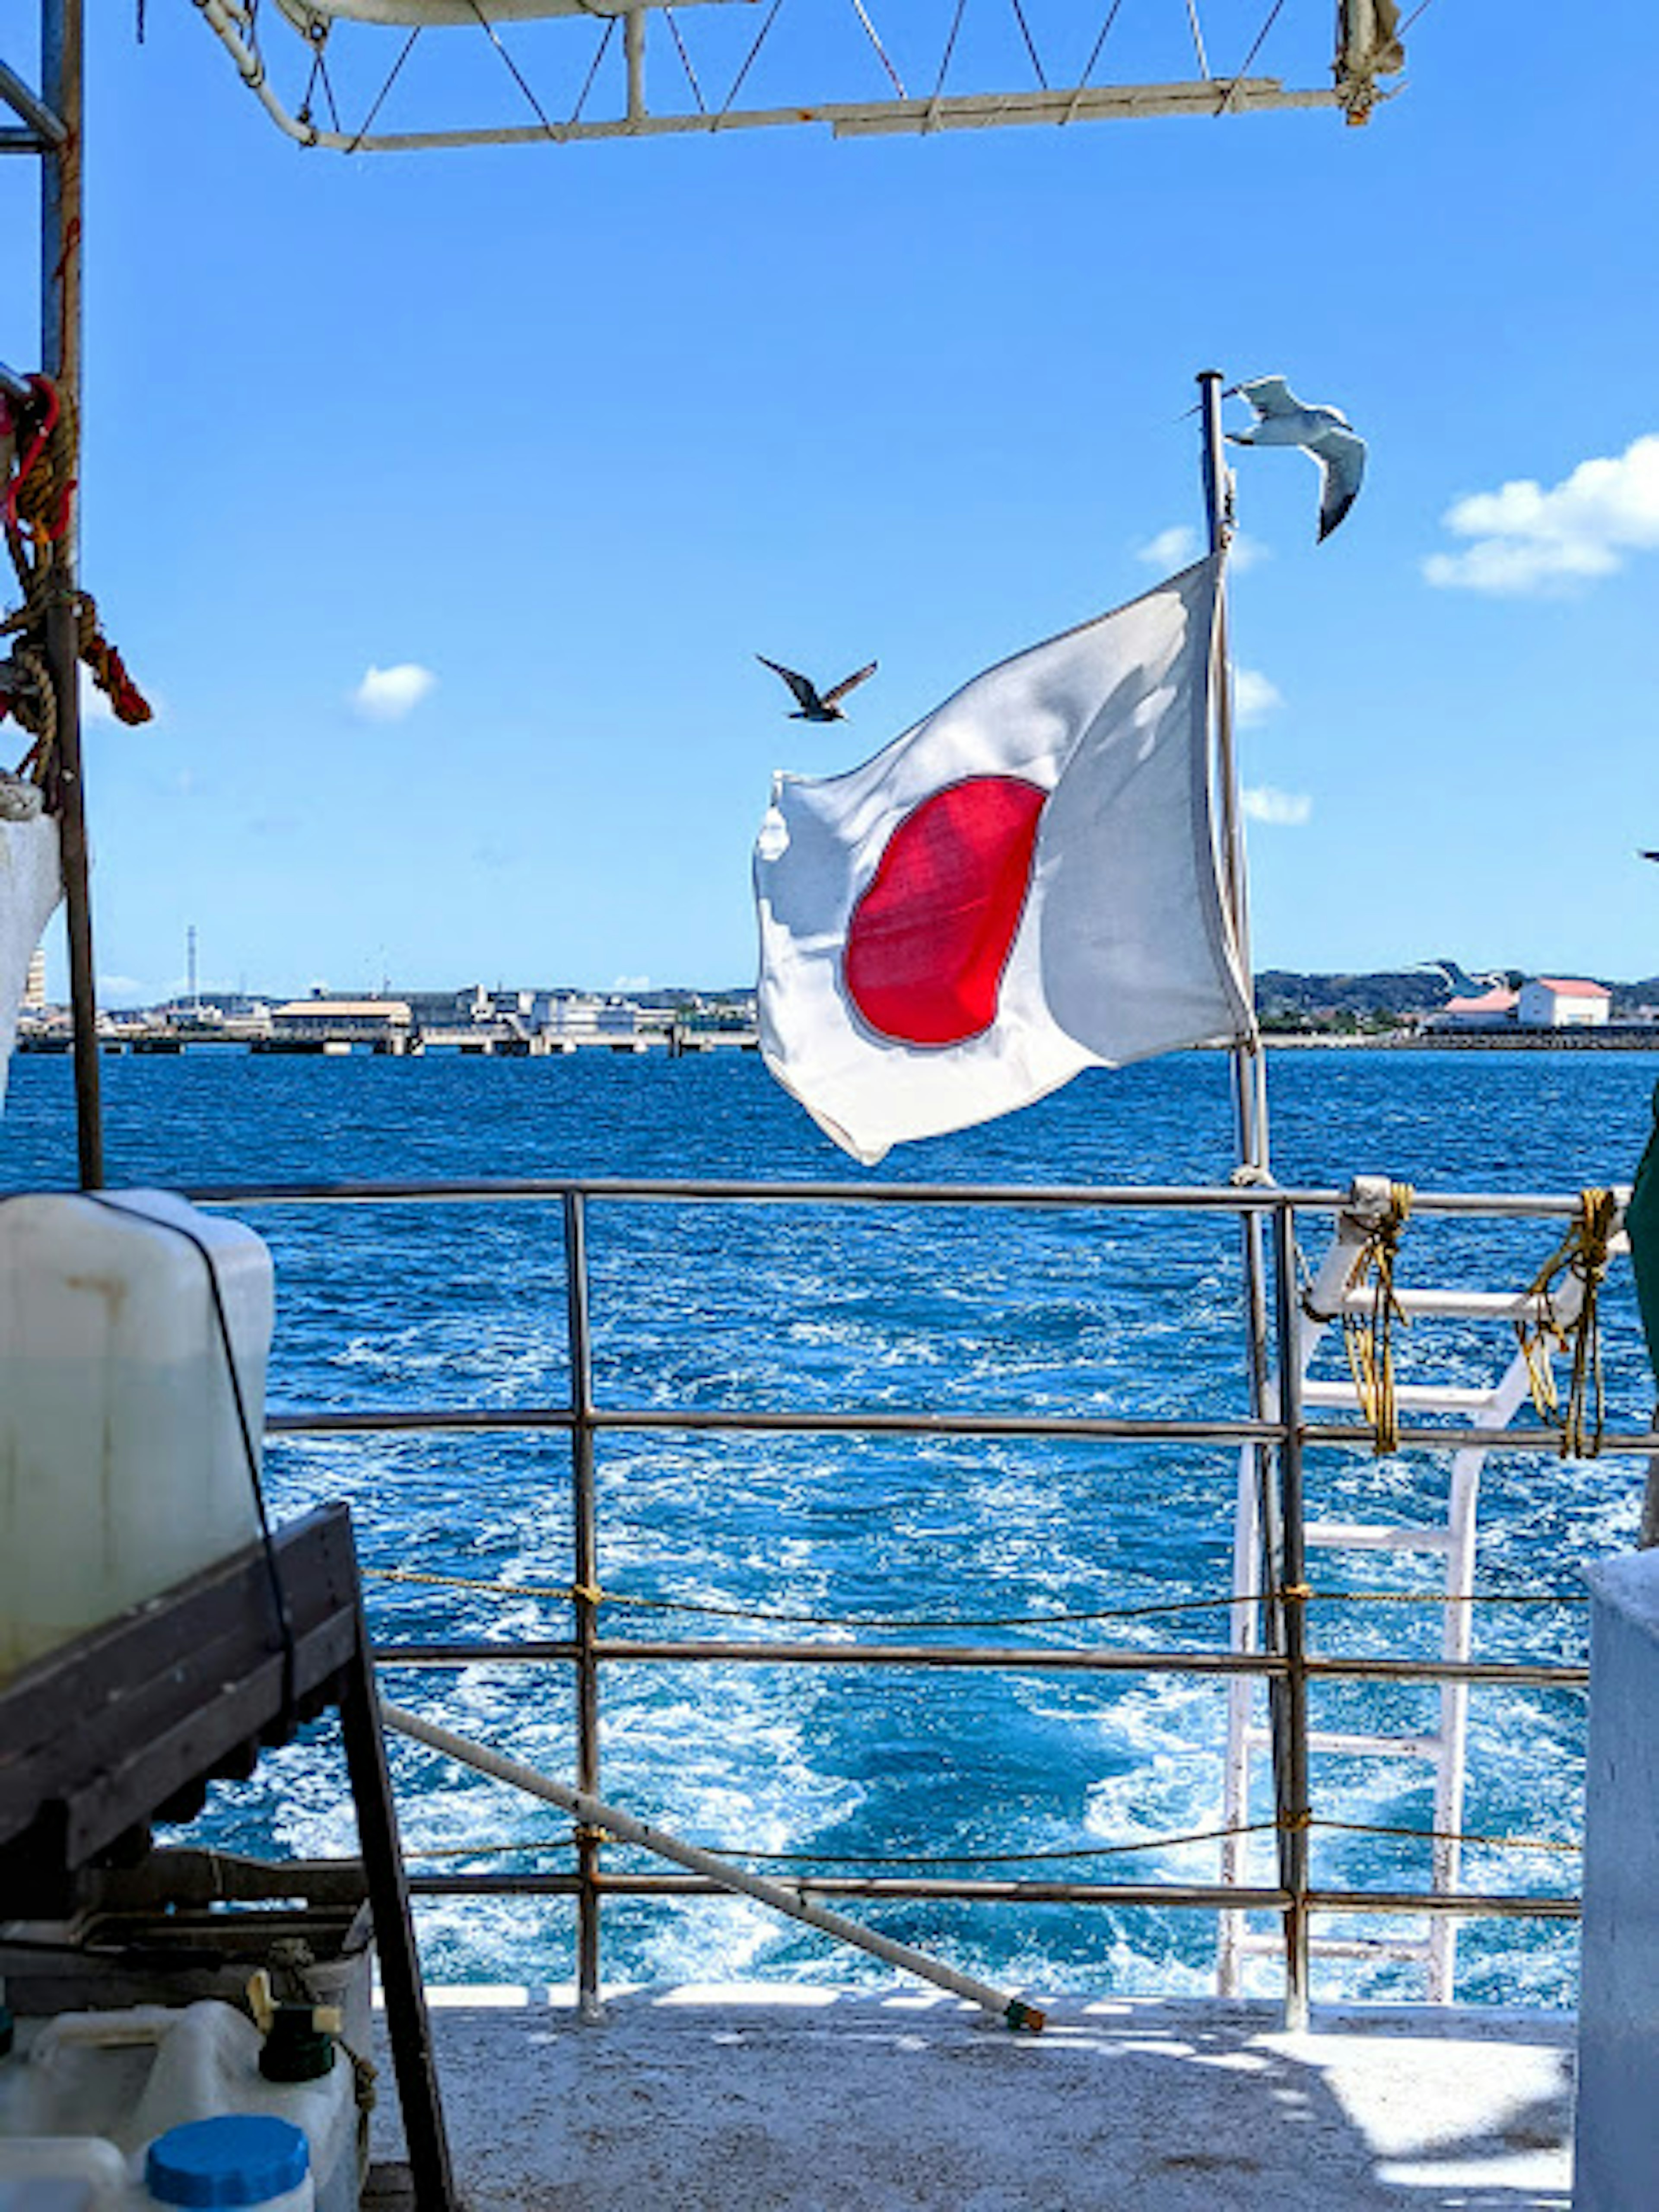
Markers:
point(1285, 1434)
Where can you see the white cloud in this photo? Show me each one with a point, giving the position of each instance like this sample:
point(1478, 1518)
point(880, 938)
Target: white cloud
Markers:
point(1285, 810)
point(1528, 540)
point(1171, 549)
point(631, 983)
point(1255, 695)
point(94, 706)
point(1175, 547)
point(386, 695)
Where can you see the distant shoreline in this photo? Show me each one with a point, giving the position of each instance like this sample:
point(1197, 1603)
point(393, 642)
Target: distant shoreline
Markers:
point(1619, 1037)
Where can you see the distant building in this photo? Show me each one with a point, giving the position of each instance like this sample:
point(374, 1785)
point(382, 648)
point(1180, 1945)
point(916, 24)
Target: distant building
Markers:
point(35, 988)
point(576, 1014)
point(1553, 1002)
point(1493, 1009)
point(357, 1019)
point(447, 1009)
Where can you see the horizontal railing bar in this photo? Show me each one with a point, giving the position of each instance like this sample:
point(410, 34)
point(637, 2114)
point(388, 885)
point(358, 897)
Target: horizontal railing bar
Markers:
point(467, 1420)
point(1214, 1897)
point(1198, 1198)
point(1189, 1896)
point(761, 1422)
point(992, 1657)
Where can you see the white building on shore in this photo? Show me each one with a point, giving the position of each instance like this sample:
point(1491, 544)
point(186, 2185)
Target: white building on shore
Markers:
point(1555, 1002)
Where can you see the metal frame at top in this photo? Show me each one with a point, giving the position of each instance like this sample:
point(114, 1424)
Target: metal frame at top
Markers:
point(347, 59)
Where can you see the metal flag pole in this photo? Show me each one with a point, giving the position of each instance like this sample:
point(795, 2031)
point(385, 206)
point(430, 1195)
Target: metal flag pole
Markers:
point(62, 88)
point(1277, 1485)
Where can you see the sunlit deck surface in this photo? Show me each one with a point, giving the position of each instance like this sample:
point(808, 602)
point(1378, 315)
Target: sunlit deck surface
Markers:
point(797, 2100)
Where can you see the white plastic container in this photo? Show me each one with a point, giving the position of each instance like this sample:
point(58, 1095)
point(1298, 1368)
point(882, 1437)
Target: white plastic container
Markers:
point(122, 1465)
point(97, 2086)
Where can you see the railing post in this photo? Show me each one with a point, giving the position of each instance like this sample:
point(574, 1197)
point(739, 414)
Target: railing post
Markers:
point(1289, 1603)
point(585, 1563)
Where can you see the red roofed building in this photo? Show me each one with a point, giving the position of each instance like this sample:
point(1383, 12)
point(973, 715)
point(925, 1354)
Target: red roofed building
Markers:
point(1493, 1009)
point(1556, 1002)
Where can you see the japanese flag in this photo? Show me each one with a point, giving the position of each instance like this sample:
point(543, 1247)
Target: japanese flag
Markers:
point(1024, 884)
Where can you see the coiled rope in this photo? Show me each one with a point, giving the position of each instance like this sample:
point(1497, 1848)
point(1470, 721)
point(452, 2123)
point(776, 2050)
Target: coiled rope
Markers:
point(1368, 1338)
point(36, 504)
point(1582, 1257)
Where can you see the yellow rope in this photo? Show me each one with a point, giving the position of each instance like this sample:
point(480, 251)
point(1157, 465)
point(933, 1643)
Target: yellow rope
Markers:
point(1582, 1256)
point(1368, 1338)
point(1448, 1836)
point(1290, 1823)
point(568, 1590)
point(1300, 1593)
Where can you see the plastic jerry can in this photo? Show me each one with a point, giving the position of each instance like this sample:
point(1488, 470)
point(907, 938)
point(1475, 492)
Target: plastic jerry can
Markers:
point(253, 2162)
point(97, 2087)
point(123, 1464)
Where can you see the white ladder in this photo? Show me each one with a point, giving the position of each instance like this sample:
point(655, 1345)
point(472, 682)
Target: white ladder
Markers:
point(1331, 1295)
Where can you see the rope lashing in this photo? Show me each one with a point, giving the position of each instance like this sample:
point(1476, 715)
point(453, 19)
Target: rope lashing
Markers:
point(1368, 1338)
point(36, 505)
point(1580, 1259)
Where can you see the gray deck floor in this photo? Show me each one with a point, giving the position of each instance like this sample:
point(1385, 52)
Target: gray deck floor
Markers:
point(804, 2100)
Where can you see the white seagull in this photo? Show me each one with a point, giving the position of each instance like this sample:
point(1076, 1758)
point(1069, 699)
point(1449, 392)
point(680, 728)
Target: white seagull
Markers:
point(1281, 419)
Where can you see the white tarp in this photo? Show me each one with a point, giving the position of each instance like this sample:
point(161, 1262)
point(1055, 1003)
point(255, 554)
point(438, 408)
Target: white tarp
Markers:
point(1022, 885)
point(31, 883)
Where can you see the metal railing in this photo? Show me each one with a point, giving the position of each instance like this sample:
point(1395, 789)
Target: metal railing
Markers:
point(1281, 1443)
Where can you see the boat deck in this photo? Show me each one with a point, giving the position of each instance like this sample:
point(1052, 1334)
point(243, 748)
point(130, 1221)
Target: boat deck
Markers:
point(800, 2099)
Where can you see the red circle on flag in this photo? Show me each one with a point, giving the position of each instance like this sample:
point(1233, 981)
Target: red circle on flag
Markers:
point(930, 937)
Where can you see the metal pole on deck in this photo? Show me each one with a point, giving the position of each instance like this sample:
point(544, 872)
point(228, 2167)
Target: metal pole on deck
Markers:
point(1277, 1476)
point(61, 88)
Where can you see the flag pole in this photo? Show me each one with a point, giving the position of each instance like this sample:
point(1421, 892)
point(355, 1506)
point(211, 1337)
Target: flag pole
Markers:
point(1249, 1085)
point(1279, 1514)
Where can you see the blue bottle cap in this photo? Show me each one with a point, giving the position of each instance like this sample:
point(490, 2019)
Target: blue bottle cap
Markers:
point(237, 2159)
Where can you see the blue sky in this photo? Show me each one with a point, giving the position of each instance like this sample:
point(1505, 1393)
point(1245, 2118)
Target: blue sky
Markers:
point(574, 432)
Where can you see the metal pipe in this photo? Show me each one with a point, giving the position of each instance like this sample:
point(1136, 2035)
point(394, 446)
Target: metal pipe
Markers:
point(1288, 1604)
point(1464, 1905)
point(690, 1651)
point(1148, 1198)
point(847, 120)
point(736, 1421)
point(585, 1556)
point(40, 118)
point(62, 90)
point(788, 1900)
point(634, 53)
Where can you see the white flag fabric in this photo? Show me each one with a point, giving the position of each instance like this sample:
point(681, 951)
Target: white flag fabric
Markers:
point(1022, 885)
point(31, 883)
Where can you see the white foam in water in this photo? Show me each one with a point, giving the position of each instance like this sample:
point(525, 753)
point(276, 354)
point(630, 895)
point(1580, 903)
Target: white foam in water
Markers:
point(976, 1310)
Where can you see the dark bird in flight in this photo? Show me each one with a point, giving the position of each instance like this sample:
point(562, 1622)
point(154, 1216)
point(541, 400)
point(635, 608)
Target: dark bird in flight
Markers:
point(816, 706)
point(1650, 856)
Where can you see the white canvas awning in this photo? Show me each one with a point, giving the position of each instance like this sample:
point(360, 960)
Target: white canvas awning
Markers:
point(31, 884)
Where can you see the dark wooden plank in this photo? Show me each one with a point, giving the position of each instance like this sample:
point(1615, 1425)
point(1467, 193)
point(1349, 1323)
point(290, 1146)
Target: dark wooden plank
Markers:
point(407, 2025)
point(109, 1727)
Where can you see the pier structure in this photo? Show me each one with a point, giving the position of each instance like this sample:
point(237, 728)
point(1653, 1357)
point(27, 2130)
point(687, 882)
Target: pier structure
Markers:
point(508, 1025)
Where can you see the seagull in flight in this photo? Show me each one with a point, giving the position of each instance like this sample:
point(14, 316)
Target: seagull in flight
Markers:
point(816, 706)
point(1282, 419)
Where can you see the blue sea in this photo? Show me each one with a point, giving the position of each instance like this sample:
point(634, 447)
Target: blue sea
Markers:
point(832, 1306)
